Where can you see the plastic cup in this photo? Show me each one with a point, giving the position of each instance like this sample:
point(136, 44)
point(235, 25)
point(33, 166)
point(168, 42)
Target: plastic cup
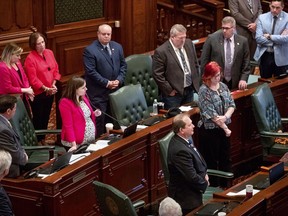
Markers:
point(109, 126)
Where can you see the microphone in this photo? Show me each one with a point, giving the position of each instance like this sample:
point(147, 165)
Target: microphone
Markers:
point(114, 119)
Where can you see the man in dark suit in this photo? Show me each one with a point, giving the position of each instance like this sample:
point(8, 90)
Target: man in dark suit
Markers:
point(5, 203)
point(175, 68)
point(187, 168)
point(231, 52)
point(105, 70)
point(246, 13)
point(9, 139)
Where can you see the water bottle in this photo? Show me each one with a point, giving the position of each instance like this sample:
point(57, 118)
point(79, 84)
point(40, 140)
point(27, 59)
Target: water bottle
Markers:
point(155, 107)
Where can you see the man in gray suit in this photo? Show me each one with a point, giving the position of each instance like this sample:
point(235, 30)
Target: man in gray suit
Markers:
point(272, 41)
point(175, 68)
point(246, 13)
point(9, 139)
point(231, 52)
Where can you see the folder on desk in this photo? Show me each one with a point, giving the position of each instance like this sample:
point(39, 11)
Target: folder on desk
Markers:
point(210, 209)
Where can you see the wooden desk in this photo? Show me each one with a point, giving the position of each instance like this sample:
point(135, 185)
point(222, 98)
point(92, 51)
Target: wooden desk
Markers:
point(132, 165)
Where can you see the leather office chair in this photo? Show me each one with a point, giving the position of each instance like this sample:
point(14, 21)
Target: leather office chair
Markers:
point(113, 202)
point(139, 70)
point(269, 122)
point(25, 129)
point(128, 104)
point(164, 144)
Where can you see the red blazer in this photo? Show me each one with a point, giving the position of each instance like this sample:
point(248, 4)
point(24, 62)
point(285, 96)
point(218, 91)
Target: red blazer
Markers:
point(73, 122)
point(12, 82)
point(41, 71)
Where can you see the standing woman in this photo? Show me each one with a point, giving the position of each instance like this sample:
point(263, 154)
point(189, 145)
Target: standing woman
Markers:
point(216, 108)
point(78, 117)
point(13, 76)
point(42, 71)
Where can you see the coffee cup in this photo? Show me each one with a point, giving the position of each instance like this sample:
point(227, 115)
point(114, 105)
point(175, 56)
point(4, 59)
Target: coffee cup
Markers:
point(109, 126)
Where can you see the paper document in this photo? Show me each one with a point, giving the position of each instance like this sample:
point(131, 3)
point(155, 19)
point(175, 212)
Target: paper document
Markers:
point(98, 145)
point(76, 157)
point(241, 193)
point(185, 108)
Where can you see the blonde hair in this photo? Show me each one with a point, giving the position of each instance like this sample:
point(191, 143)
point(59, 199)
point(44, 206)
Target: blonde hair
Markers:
point(9, 50)
point(5, 161)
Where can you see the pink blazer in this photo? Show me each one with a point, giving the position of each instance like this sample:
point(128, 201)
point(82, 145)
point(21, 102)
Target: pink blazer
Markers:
point(73, 122)
point(12, 82)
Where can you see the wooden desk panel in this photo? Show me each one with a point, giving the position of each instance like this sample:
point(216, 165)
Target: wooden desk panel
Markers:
point(132, 165)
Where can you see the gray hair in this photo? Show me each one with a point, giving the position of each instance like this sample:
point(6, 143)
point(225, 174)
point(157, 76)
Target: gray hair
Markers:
point(5, 161)
point(229, 19)
point(176, 29)
point(169, 207)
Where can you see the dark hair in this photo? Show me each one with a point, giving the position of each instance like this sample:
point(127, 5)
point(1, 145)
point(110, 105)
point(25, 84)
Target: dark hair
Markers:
point(178, 122)
point(72, 85)
point(210, 70)
point(7, 102)
point(33, 39)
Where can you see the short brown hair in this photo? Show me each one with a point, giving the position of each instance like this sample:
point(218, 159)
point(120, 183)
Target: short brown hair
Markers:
point(178, 122)
point(33, 39)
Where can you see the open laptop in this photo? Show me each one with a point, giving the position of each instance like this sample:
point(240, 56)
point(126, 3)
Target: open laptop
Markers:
point(131, 129)
point(58, 164)
point(275, 173)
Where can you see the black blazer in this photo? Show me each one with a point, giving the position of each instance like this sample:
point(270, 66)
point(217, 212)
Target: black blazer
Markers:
point(187, 174)
point(5, 203)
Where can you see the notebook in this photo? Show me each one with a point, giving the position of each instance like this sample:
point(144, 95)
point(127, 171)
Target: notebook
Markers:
point(127, 132)
point(275, 173)
point(58, 164)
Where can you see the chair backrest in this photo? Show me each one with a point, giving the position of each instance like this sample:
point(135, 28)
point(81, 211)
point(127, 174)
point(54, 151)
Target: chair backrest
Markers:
point(266, 112)
point(164, 144)
point(22, 124)
point(139, 70)
point(128, 104)
point(112, 201)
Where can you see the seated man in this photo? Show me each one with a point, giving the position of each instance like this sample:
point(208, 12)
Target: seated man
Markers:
point(168, 207)
point(5, 203)
point(9, 139)
point(188, 170)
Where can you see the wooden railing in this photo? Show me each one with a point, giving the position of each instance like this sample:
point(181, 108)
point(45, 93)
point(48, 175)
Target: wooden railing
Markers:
point(200, 17)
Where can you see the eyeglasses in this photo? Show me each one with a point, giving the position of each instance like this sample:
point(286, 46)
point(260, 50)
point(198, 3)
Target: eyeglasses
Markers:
point(226, 28)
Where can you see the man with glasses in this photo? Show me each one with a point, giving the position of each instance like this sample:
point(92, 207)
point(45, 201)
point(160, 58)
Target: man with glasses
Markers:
point(272, 41)
point(175, 68)
point(231, 52)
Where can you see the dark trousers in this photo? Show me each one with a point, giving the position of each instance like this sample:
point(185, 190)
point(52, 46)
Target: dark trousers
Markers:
point(41, 108)
point(178, 100)
point(268, 67)
point(215, 148)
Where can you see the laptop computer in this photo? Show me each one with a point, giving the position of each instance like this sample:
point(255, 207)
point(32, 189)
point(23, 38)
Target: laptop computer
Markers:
point(58, 164)
point(131, 129)
point(275, 173)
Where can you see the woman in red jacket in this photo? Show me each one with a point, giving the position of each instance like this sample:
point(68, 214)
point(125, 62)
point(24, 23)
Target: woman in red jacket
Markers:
point(42, 71)
point(78, 117)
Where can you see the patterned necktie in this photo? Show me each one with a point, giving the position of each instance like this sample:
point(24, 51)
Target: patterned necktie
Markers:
point(107, 50)
point(250, 5)
point(228, 61)
point(186, 69)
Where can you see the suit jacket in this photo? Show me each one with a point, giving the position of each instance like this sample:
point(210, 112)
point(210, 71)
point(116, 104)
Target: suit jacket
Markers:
point(213, 50)
point(241, 12)
point(10, 141)
point(278, 41)
point(100, 67)
point(13, 83)
point(187, 174)
point(5, 203)
point(167, 70)
point(73, 121)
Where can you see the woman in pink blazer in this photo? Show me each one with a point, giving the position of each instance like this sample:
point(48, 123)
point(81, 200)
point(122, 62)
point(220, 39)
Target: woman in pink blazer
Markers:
point(78, 117)
point(12, 74)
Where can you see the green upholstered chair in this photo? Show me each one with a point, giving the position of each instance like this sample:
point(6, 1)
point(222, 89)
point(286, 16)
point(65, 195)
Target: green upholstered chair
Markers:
point(128, 104)
point(139, 70)
point(269, 122)
point(164, 144)
point(25, 129)
point(113, 202)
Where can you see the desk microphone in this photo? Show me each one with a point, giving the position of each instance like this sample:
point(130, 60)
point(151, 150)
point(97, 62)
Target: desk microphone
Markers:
point(114, 119)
